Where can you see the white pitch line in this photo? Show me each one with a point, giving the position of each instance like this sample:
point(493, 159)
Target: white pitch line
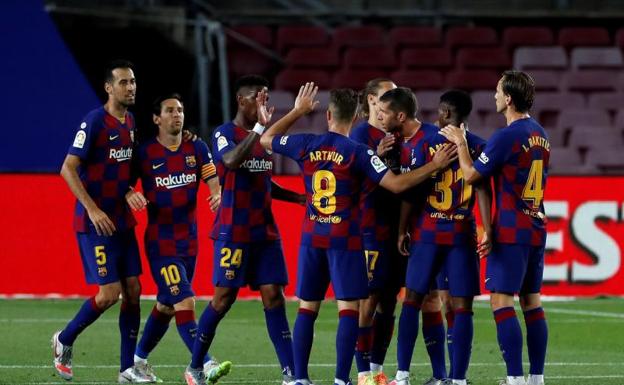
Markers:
point(556, 310)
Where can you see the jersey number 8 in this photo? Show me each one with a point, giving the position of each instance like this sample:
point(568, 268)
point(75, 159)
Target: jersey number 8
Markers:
point(324, 187)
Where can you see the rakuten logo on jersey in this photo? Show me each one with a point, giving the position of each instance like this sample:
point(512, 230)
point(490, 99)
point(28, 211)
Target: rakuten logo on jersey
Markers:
point(257, 165)
point(175, 181)
point(120, 155)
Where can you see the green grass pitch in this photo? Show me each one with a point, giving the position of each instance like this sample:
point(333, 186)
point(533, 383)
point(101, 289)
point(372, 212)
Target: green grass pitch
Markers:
point(586, 345)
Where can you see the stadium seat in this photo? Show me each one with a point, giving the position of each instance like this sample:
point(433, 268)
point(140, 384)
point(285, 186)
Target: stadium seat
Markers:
point(416, 37)
point(483, 58)
point(546, 80)
point(358, 36)
point(428, 100)
point(426, 58)
point(494, 120)
point(418, 79)
point(355, 79)
point(472, 79)
point(281, 100)
point(618, 123)
point(292, 79)
point(258, 33)
point(318, 122)
point(589, 81)
point(547, 105)
point(579, 117)
point(564, 161)
point(596, 58)
point(595, 136)
point(527, 36)
point(312, 58)
point(323, 98)
point(610, 101)
point(247, 61)
point(470, 36)
point(483, 101)
point(619, 38)
point(583, 36)
point(301, 36)
point(548, 57)
point(606, 160)
point(369, 57)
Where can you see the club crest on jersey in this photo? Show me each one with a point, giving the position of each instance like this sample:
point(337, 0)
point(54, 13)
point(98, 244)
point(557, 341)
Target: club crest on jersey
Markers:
point(102, 271)
point(190, 161)
point(81, 137)
point(230, 274)
point(175, 290)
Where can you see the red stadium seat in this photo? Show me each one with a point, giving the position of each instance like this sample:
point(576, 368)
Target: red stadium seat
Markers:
point(416, 36)
point(369, 57)
point(596, 58)
point(247, 61)
point(577, 117)
point(292, 79)
point(606, 160)
point(281, 100)
point(611, 101)
point(312, 57)
point(619, 38)
point(258, 33)
point(583, 36)
point(619, 120)
point(590, 80)
point(473, 79)
point(301, 36)
point(426, 58)
point(418, 79)
point(427, 100)
point(483, 58)
point(355, 79)
point(527, 36)
point(363, 36)
point(470, 36)
point(553, 57)
point(564, 161)
point(546, 80)
point(547, 105)
point(595, 136)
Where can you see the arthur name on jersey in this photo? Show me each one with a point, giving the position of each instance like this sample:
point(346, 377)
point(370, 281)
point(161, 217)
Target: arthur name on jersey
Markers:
point(174, 181)
point(323, 155)
point(120, 155)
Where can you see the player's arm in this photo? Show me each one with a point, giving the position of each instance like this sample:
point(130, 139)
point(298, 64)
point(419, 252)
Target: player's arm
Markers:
point(404, 239)
point(484, 199)
point(215, 193)
point(134, 198)
point(457, 135)
point(304, 103)
point(282, 194)
point(69, 172)
point(399, 183)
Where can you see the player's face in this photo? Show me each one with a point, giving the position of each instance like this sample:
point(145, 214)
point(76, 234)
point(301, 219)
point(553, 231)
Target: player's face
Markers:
point(373, 100)
point(123, 87)
point(247, 101)
point(501, 98)
point(388, 119)
point(171, 119)
point(443, 115)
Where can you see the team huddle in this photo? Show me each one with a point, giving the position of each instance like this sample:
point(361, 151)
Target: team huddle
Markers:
point(388, 204)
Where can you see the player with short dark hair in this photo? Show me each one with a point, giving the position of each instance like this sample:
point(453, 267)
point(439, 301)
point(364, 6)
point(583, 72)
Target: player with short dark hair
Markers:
point(247, 247)
point(171, 170)
point(334, 168)
point(516, 156)
point(97, 171)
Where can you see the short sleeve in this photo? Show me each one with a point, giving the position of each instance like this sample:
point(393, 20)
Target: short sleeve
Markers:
point(292, 146)
point(223, 141)
point(358, 134)
point(370, 164)
point(208, 169)
point(86, 135)
point(493, 155)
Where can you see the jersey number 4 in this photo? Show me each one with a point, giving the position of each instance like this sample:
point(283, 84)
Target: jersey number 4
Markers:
point(534, 188)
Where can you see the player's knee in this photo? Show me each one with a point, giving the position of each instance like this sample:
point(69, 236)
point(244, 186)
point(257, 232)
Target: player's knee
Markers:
point(413, 296)
point(165, 309)
point(500, 300)
point(272, 297)
point(222, 304)
point(530, 301)
point(185, 304)
point(460, 303)
point(106, 299)
point(132, 290)
point(431, 303)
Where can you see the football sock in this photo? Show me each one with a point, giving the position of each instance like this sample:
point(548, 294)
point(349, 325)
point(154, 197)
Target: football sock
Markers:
point(433, 336)
point(303, 334)
point(155, 328)
point(463, 343)
point(87, 314)
point(408, 331)
point(383, 328)
point(450, 321)
point(362, 349)
point(129, 323)
point(346, 339)
point(208, 322)
point(535, 379)
point(509, 339)
point(279, 332)
point(537, 339)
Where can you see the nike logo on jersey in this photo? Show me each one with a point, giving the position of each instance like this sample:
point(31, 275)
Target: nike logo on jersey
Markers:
point(155, 166)
point(487, 279)
point(113, 137)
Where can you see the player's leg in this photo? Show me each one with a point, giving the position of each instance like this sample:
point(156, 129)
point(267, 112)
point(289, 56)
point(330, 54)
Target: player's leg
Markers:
point(434, 336)
point(365, 335)
point(534, 318)
point(383, 328)
point(449, 315)
point(346, 339)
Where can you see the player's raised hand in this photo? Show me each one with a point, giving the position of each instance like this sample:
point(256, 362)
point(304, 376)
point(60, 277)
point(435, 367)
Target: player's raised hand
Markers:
point(305, 99)
point(101, 221)
point(444, 156)
point(215, 202)
point(264, 113)
point(135, 200)
point(454, 134)
point(485, 246)
point(403, 244)
point(385, 144)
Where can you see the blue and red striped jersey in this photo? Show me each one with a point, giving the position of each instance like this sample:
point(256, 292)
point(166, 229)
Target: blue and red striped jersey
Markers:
point(334, 168)
point(245, 213)
point(170, 180)
point(447, 217)
point(104, 145)
point(517, 158)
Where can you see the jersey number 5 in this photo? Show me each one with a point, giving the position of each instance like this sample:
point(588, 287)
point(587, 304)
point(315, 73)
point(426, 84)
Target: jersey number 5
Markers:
point(324, 187)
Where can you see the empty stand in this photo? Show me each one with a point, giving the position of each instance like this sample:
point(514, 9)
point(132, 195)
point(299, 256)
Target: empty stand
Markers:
point(472, 79)
point(362, 36)
point(416, 36)
point(589, 80)
point(418, 79)
point(312, 58)
point(490, 57)
point(470, 36)
point(355, 79)
point(528, 58)
point(292, 79)
point(369, 57)
point(426, 58)
point(596, 58)
point(301, 36)
point(527, 36)
point(260, 34)
point(583, 36)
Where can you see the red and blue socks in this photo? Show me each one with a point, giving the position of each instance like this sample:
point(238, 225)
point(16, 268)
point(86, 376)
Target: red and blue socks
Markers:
point(462, 343)
point(383, 328)
point(155, 328)
point(537, 339)
point(509, 339)
point(206, 329)
point(129, 323)
point(408, 331)
point(279, 332)
point(303, 335)
point(87, 314)
point(434, 338)
point(346, 339)
point(363, 349)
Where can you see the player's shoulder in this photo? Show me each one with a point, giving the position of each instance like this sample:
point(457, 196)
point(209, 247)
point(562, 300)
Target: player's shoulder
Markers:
point(226, 129)
point(93, 118)
point(145, 145)
point(472, 138)
point(360, 130)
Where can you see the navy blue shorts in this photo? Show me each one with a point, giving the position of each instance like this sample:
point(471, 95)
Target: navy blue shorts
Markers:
point(108, 259)
point(173, 276)
point(345, 269)
point(513, 268)
point(429, 265)
point(238, 264)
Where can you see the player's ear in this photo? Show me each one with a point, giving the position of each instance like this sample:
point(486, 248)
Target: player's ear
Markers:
point(329, 115)
point(401, 116)
point(108, 87)
point(156, 119)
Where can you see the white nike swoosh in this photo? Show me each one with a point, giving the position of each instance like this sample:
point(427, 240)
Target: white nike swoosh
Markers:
point(155, 166)
point(113, 137)
point(487, 279)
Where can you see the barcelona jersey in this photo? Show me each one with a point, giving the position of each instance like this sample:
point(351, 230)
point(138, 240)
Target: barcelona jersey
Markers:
point(334, 168)
point(170, 180)
point(517, 158)
point(104, 145)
